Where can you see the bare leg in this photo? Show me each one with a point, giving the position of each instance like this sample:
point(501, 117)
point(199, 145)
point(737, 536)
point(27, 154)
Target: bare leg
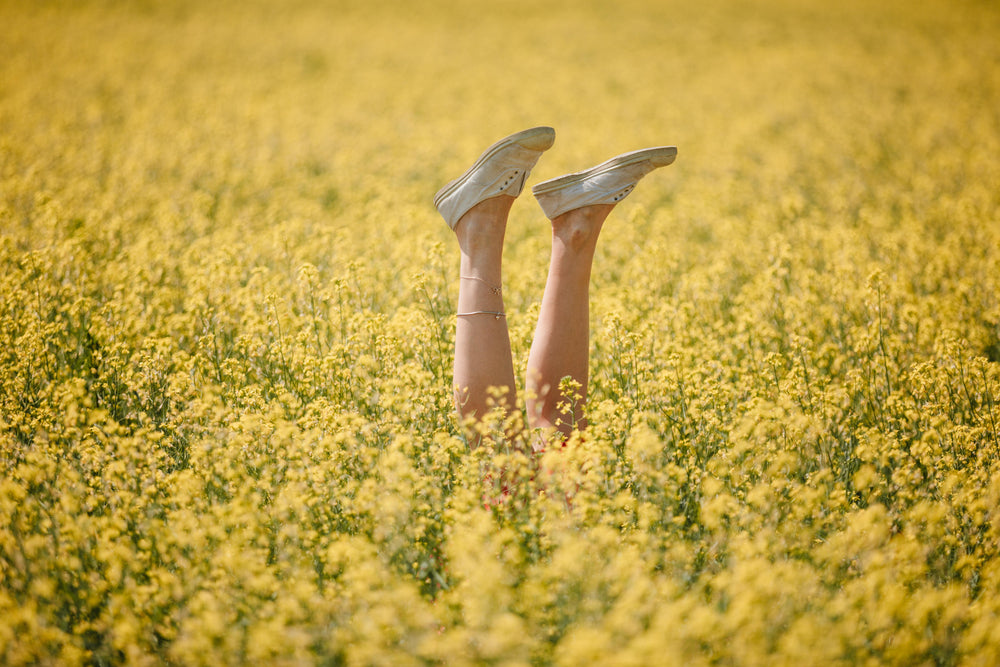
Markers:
point(561, 347)
point(482, 343)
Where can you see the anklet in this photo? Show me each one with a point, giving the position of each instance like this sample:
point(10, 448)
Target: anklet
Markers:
point(494, 289)
point(496, 315)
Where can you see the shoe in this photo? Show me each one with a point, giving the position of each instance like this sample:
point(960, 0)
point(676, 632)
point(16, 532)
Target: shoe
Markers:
point(502, 169)
point(607, 183)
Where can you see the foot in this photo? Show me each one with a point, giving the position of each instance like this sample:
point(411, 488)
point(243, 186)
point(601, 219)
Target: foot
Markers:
point(501, 170)
point(608, 183)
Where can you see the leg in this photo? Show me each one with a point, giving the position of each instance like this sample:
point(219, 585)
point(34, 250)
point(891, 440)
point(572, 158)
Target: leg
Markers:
point(577, 204)
point(475, 206)
point(561, 347)
point(482, 343)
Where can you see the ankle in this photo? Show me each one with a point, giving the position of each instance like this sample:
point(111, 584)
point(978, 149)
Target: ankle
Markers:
point(482, 228)
point(579, 229)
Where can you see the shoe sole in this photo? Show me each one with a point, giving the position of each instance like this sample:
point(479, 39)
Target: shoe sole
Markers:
point(661, 156)
point(536, 139)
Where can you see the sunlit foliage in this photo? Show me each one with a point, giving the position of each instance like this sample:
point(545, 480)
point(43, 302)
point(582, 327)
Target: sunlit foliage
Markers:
point(227, 308)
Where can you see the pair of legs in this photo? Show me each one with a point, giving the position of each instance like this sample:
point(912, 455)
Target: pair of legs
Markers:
point(476, 206)
point(562, 337)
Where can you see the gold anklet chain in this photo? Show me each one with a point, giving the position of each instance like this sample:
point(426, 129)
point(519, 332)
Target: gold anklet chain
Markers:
point(496, 314)
point(493, 288)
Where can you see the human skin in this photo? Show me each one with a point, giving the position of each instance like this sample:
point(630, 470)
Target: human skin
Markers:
point(560, 348)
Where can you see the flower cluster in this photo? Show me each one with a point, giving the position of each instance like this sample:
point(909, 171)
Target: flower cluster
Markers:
point(226, 334)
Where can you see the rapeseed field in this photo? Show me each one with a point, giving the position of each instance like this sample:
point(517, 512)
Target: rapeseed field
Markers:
point(227, 313)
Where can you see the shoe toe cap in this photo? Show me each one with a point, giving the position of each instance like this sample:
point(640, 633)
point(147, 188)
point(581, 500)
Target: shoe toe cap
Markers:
point(540, 139)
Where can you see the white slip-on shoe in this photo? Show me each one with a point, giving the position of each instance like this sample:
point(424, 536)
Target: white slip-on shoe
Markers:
point(607, 183)
point(501, 170)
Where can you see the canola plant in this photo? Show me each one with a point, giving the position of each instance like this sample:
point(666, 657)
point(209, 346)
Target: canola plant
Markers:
point(227, 313)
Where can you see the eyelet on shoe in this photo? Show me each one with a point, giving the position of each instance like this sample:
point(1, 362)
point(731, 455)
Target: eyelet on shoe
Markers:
point(510, 179)
point(624, 193)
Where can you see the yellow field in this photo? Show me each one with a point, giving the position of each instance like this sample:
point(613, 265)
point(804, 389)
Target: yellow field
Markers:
point(227, 308)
